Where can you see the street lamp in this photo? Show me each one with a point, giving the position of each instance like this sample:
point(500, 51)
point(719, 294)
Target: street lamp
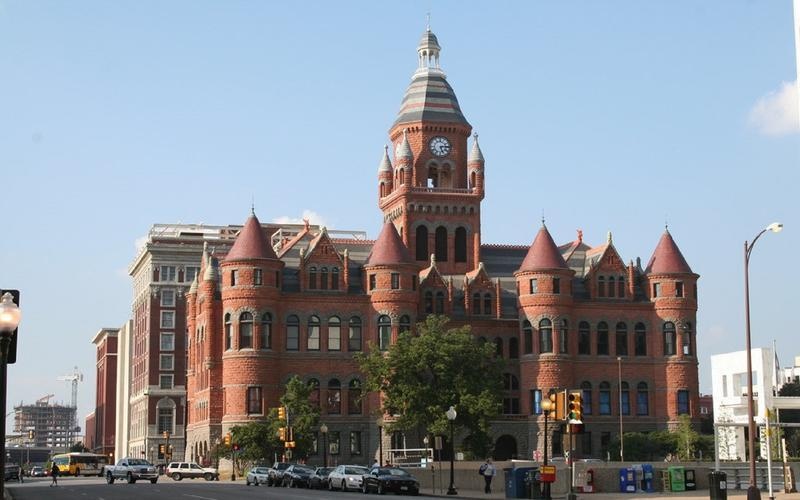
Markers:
point(621, 435)
point(152, 453)
point(324, 430)
point(753, 493)
point(451, 416)
point(9, 320)
point(547, 405)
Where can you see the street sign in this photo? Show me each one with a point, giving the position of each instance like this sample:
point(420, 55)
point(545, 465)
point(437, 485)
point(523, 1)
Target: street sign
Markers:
point(548, 473)
point(437, 442)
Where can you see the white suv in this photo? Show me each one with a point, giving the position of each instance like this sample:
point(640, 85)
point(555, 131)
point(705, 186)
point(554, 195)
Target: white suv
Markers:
point(180, 470)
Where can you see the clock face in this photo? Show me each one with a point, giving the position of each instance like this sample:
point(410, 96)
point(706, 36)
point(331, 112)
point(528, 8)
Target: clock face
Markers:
point(440, 146)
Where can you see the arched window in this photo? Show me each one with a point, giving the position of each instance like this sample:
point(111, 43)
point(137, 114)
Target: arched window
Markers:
point(405, 324)
point(621, 287)
point(441, 244)
point(245, 330)
point(511, 398)
point(669, 338)
point(428, 302)
point(334, 278)
point(586, 393)
point(166, 415)
point(354, 397)
point(461, 244)
point(584, 338)
point(487, 303)
point(622, 339)
point(422, 243)
point(545, 336)
point(510, 382)
point(563, 338)
point(602, 338)
point(642, 399)
point(313, 333)
point(313, 397)
point(334, 334)
point(323, 278)
point(476, 303)
point(312, 278)
point(473, 179)
point(334, 397)
point(686, 339)
point(612, 287)
point(266, 331)
point(527, 337)
point(605, 398)
point(439, 302)
point(601, 286)
point(498, 347)
point(292, 333)
point(354, 337)
point(384, 332)
point(228, 332)
point(513, 348)
point(625, 398)
point(641, 339)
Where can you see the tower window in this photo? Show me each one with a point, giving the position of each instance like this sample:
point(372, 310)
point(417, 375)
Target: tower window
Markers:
point(534, 286)
point(621, 287)
point(395, 281)
point(234, 277)
point(611, 287)
point(323, 278)
point(292, 333)
point(527, 337)
point(372, 282)
point(545, 336)
point(334, 334)
point(669, 338)
point(640, 340)
point(335, 278)
point(584, 339)
point(461, 244)
point(441, 244)
point(656, 289)
point(601, 286)
point(312, 278)
point(602, 338)
point(258, 277)
point(622, 339)
point(683, 402)
point(679, 289)
point(313, 334)
point(556, 285)
point(384, 333)
point(422, 243)
point(245, 330)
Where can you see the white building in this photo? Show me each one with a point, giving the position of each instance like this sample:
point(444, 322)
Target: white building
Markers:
point(791, 374)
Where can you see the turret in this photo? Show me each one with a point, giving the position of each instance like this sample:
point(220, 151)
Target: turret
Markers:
point(475, 163)
point(385, 174)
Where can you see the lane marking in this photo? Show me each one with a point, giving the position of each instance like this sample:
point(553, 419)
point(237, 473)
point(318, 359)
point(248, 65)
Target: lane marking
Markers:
point(198, 496)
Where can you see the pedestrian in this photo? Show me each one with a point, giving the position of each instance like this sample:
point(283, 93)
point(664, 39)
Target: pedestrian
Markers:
point(54, 472)
point(488, 471)
point(375, 464)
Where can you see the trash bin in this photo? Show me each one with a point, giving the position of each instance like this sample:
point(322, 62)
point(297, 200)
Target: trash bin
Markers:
point(677, 480)
point(515, 482)
point(717, 485)
point(689, 480)
point(533, 484)
point(627, 480)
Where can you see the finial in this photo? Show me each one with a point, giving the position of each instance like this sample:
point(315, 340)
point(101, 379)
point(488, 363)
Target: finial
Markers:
point(252, 204)
point(428, 24)
point(609, 237)
point(543, 224)
point(666, 225)
point(433, 260)
point(306, 223)
point(475, 136)
point(580, 235)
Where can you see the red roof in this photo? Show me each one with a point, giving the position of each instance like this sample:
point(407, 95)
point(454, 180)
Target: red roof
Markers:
point(543, 253)
point(667, 258)
point(251, 243)
point(388, 249)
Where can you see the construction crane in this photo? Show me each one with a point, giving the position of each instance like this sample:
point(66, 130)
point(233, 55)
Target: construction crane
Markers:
point(45, 400)
point(74, 377)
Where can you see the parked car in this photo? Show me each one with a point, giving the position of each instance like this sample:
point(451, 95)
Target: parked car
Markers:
point(38, 471)
point(12, 472)
point(131, 469)
point(383, 479)
point(180, 470)
point(257, 475)
point(319, 479)
point(297, 476)
point(346, 477)
point(276, 473)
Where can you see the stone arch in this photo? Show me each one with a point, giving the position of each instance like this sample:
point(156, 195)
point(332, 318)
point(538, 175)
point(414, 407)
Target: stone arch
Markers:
point(505, 448)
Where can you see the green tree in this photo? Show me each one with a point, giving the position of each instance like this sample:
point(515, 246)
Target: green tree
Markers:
point(423, 374)
point(792, 434)
point(687, 439)
point(78, 447)
point(303, 416)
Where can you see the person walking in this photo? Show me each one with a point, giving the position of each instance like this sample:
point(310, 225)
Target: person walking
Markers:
point(488, 471)
point(54, 472)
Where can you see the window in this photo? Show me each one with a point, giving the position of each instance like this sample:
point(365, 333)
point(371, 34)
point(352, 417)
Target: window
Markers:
point(563, 338)
point(534, 286)
point(414, 279)
point(165, 381)
point(428, 302)
point(395, 281)
point(246, 330)
point(625, 398)
point(313, 397)
point(167, 298)
point(333, 442)
point(384, 332)
point(334, 334)
point(621, 287)
point(405, 324)
point(191, 273)
point(586, 444)
point(622, 339)
point(335, 278)
point(602, 338)
point(167, 319)
point(234, 277)
point(642, 399)
point(686, 339)
point(167, 273)
point(611, 286)
point(461, 244)
point(656, 289)
point(545, 336)
point(605, 398)
point(228, 331)
point(354, 338)
point(586, 389)
point(510, 406)
point(601, 286)
point(527, 337)
point(683, 402)
point(266, 331)
point(167, 341)
point(536, 399)
point(584, 338)
point(254, 401)
point(165, 417)
point(292, 333)
point(669, 338)
point(640, 340)
point(510, 400)
point(725, 386)
point(498, 347)
point(476, 303)
point(487, 303)
point(439, 302)
point(355, 443)
point(323, 278)
point(422, 243)
point(313, 333)
point(556, 285)
point(372, 282)
point(166, 362)
point(312, 278)
point(679, 289)
point(334, 397)
point(354, 397)
point(513, 348)
point(258, 277)
point(441, 244)
point(277, 279)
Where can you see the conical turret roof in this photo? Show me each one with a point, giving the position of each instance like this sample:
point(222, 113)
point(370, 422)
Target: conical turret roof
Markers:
point(251, 243)
point(386, 164)
point(543, 253)
point(475, 154)
point(388, 249)
point(667, 258)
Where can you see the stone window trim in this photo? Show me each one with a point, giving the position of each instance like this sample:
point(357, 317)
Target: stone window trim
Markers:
point(169, 345)
point(165, 365)
point(165, 294)
point(166, 381)
point(168, 324)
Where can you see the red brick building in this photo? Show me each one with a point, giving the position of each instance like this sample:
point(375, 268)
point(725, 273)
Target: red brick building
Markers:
point(101, 424)
point(573, 316)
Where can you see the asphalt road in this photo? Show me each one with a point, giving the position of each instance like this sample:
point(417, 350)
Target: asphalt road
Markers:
point(81, 488)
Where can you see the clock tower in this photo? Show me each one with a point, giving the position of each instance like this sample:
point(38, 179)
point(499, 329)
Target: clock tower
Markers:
point(433, 190)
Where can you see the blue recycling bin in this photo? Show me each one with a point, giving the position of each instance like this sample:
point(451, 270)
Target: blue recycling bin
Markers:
point(627, 480)
point(515, 481)
point(647, 478)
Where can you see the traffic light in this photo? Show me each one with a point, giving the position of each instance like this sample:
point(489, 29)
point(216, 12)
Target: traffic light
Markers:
point(575, 410)
point(561, 405)
point(281, 413)
point(290, 444)
point(31, 433)
point(228, 439)
point(282, 433)
point(162, 449)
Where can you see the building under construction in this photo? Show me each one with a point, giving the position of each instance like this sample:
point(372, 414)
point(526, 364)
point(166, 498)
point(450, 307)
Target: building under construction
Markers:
point(53, 425)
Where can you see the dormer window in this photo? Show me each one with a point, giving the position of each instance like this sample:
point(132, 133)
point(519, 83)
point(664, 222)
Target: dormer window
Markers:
point(323, 278)
point(621, 287)
point(601, 286)
point(312, 278)
point(611, 287)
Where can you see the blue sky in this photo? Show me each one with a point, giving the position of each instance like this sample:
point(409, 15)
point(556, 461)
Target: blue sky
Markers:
point(606, 116)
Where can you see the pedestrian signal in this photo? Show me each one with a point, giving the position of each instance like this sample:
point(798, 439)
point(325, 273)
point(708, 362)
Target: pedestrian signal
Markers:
point(281, 413)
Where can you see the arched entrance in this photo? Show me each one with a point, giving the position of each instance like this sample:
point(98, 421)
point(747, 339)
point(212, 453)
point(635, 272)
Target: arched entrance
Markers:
point(505, 448)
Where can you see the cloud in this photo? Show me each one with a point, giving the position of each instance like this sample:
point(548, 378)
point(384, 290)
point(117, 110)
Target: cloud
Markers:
point(313, 217)
point(777, 113)
point(140, 243)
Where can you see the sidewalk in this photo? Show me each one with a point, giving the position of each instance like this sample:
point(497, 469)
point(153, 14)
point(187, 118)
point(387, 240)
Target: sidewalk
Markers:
point(685, 495)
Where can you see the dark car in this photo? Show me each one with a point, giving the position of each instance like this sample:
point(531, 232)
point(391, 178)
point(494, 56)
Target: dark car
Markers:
point(384, 479)
point(297, 476)
point(275, 477)
point(12, 472)
point(319, 479)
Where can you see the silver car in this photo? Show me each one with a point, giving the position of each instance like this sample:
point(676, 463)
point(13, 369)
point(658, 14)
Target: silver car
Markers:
point(346, 477)
point(257, 475)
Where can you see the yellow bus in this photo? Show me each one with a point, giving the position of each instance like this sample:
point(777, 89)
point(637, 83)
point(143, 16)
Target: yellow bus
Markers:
point(75, 464)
